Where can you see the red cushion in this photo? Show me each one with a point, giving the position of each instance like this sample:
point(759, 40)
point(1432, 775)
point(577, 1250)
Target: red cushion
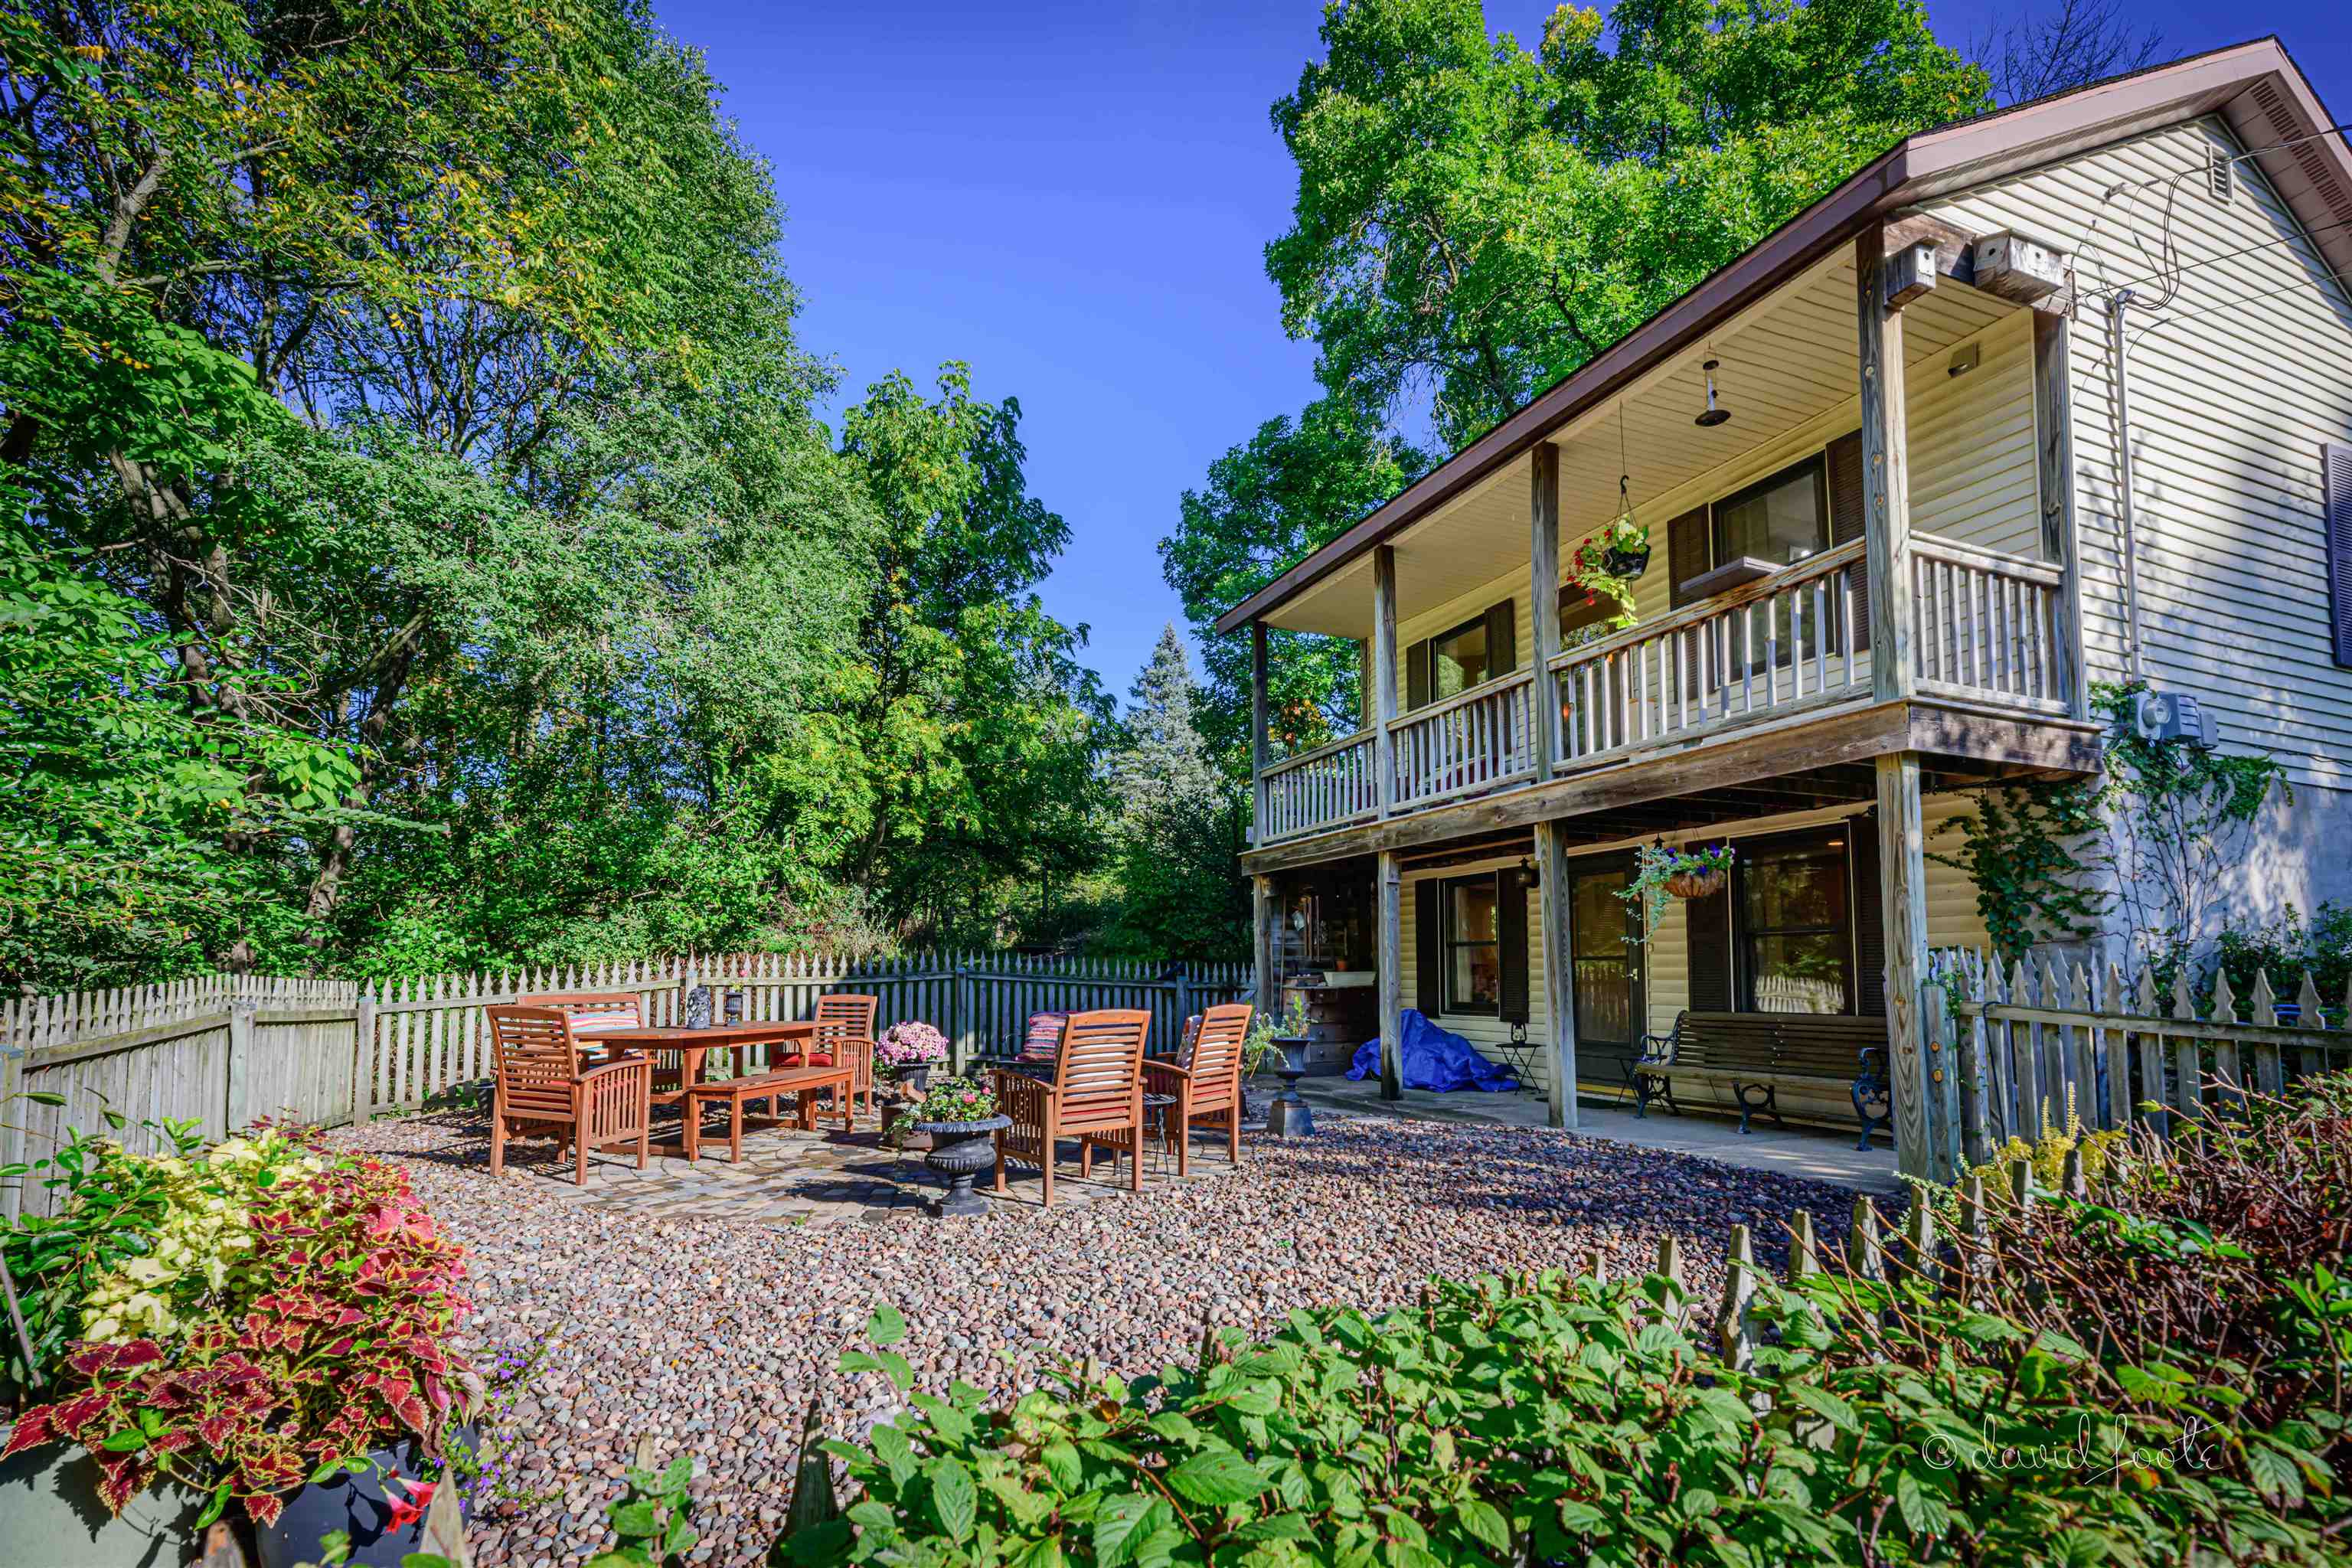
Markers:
point(820, 1059)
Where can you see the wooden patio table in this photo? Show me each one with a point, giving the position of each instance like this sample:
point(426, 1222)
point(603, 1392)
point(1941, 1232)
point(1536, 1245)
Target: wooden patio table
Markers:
point(695, 1044)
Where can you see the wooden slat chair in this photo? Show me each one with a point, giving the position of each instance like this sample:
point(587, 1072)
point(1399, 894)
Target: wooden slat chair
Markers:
point(844, 1035)
point(1096, 1096)
point(540, 1087)
point(594, 1012)
point(1206, 1080)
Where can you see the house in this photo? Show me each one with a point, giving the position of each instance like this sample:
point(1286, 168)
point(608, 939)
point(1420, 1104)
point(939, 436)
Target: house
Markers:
point(2057, 395)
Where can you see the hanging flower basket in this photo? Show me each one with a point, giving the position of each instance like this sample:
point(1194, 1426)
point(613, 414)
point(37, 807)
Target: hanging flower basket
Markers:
point(1695, 884)
point(1627, 564)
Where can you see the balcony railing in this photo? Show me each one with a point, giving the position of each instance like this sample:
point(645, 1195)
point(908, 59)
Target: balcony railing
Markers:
point(1986, 627)
point(1774, 647)
point(1478, 741)
point(1327, 788)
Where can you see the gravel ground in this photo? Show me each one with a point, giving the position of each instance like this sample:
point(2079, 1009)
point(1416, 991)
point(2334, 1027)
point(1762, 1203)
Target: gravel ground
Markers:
point(710, 1337)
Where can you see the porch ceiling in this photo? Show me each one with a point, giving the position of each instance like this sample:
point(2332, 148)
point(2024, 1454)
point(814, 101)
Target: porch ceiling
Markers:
point(1790, 358)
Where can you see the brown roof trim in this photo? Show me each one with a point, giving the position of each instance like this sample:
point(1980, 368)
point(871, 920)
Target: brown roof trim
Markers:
point(1932, 163)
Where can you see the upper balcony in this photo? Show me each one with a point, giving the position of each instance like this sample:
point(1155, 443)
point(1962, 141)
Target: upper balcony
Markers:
point(1756, 609)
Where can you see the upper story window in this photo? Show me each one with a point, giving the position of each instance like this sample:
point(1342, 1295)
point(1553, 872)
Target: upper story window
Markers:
point(1458, 660)
point(1782, 519)
point(1454, 660)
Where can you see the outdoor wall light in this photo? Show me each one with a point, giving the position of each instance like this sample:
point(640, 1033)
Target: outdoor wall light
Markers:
point(1715, 414)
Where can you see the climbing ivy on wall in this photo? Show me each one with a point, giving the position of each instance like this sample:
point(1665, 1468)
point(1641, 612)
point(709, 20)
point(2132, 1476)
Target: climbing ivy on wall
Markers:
point(2153, 836)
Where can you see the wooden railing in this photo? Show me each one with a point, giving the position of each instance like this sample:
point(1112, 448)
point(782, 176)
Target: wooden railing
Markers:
point(1327, 787)
point(1988, 629)
point(1478, 741)
point(1990, 625)
point(1775, 646)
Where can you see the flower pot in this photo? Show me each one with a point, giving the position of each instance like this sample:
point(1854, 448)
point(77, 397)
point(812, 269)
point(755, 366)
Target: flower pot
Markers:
point(50, 1514)
point(358, 1506)
point(915, 1076)
point(1625, 562)
point(960, 1151)
point(1695, 884)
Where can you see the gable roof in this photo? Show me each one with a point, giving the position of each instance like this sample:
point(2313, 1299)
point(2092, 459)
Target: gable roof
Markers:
point(2255, 87)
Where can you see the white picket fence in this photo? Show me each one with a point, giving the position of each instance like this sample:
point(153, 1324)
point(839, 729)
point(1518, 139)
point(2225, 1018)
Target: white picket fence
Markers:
point(222, 1051)
point(2034, 1044)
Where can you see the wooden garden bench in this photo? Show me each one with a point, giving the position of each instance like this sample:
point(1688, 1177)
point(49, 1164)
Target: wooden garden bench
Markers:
point(806, 1084)
point(1759, 1054)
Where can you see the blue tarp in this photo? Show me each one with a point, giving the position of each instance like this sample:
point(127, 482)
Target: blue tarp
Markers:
point(1435, 1059)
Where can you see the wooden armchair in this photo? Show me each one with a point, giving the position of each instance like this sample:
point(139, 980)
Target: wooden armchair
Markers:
point(540, 1087)
point(845, 1037)
point(1206, 1080)
point(594, 1012)
point(1095, 1095)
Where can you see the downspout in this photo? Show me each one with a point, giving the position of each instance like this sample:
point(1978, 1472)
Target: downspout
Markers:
point(2129, 530)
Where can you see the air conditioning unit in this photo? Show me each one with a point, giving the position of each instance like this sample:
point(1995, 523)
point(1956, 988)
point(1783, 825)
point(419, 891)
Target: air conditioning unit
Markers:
point(2174, 716)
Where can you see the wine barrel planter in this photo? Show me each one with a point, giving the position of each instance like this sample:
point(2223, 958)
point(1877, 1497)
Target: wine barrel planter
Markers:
point(50, 1514)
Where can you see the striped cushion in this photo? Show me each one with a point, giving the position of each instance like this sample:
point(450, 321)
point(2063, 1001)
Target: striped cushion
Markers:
point(613, 1018)
point(1045, 1039)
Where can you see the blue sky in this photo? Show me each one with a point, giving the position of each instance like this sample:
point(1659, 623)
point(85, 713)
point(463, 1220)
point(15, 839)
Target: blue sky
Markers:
point(1073, 197)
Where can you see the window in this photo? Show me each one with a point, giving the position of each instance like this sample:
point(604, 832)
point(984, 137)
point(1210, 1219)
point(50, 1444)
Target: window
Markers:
point(1458, 660)
point(1797, 952)
point(1782, 519)
point(1473, 966)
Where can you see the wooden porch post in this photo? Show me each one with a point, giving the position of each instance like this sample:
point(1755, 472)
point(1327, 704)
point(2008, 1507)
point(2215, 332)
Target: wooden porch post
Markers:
point(1559, 969)
point(1543, 586)
point(1384, 673)
point(1391, 975)
point(1886, 473)
point(1257, 731)
point(1921, 1146)
point(1261, 907)
point(1894, 676)
point(2053, 421)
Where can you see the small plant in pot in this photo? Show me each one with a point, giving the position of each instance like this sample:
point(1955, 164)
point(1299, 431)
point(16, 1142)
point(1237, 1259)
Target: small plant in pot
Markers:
point(1605, 571)
point(281, 1343)
point(908, 1052)
point(959, 1114)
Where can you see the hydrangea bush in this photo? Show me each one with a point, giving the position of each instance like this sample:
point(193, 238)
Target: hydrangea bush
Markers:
point(292, 1314)
point(909, 1045)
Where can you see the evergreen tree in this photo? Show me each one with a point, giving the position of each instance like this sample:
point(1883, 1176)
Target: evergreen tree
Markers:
point(1165, 764)
point(1180, 825)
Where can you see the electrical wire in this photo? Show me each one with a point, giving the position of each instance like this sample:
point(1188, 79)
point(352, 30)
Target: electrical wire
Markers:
point(2180, 316)
point(2242, 250)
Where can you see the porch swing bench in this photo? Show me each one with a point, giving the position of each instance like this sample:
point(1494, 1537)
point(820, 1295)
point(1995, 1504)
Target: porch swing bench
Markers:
point(1755, 1054)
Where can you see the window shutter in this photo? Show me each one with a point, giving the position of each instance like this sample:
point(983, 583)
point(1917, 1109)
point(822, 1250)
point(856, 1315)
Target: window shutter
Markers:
point(1511, 942)
point(1428, 949)
point(1869, 919)
point(1416, 675)
point(1502, 638)
point(1689, 552)
point(1710, 951)
point(2335, 491)
point(1849, 520)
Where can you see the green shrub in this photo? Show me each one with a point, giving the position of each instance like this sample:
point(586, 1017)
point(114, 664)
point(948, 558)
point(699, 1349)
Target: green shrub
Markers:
point(2156, 1376)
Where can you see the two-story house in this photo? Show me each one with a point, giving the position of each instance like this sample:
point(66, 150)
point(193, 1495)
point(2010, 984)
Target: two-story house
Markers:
point(2057, 395)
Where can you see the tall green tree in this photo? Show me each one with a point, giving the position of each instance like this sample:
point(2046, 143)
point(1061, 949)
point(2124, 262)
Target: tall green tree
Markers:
point(1268, 503)
point(1477, 218)
point(1180, 827)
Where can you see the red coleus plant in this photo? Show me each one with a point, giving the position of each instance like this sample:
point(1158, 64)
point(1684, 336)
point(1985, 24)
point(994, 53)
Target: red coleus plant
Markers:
point(333, 1343)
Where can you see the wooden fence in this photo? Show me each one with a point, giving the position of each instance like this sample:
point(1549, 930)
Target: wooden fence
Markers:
point(221, 1050)
point(2030, 1047)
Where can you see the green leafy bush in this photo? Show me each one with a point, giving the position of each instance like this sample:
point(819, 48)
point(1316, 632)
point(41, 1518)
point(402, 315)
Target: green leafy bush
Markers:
point(2156, 1376)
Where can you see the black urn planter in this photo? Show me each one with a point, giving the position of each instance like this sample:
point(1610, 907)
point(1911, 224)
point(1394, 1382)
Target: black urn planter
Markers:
point(960, 1151)
point(918, 1076)
point(1625, 562)
point(358, 1506)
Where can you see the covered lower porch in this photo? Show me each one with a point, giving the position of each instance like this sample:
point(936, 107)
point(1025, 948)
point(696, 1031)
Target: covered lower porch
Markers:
point(1519, 937)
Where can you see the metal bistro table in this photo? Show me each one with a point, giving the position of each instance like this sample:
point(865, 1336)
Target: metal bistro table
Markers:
point(694, 1047)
